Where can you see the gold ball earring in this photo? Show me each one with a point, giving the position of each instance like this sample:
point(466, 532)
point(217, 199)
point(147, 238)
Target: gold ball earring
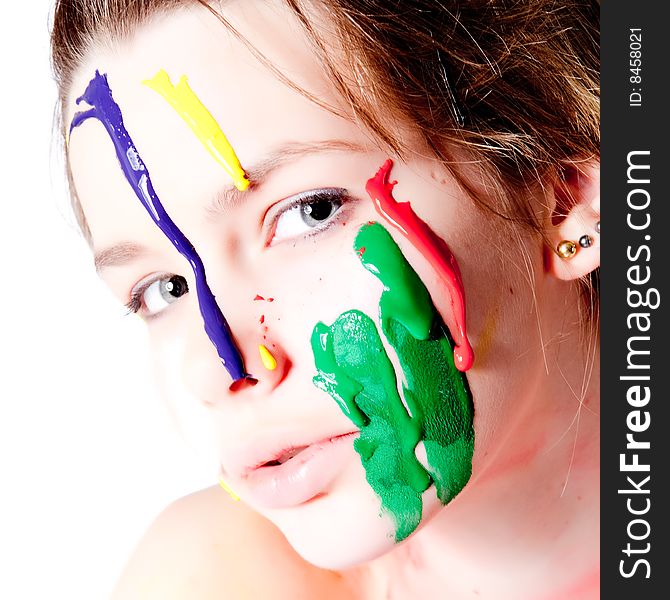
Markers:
point(566, 249)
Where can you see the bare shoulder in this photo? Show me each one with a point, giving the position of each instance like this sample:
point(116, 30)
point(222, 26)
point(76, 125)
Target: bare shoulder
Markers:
point(207, 546)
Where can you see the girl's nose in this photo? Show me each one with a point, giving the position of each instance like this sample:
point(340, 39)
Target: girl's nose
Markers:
point(264, 359)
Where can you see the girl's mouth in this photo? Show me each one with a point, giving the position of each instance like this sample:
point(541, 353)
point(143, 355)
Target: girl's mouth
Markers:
point(298, 474)
point(284, 457)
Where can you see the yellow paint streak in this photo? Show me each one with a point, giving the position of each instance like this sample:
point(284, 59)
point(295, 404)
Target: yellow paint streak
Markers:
point(485, 341)
point(189, 107)
point(269, 361)
point(226, 487)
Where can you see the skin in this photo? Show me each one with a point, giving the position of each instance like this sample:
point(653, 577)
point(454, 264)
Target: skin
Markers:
point(525, 525)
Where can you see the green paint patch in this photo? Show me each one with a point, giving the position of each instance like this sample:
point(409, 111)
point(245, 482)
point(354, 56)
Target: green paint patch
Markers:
point(354, 368)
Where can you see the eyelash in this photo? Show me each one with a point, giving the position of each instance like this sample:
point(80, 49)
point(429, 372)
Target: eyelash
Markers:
point(311, 197)
point(134, 305)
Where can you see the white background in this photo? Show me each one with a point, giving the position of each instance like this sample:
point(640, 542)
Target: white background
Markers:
point(88, 453)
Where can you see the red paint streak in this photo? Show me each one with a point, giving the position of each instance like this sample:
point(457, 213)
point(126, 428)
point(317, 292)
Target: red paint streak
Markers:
point(270, 299)
point(258, 297)
point(434, 250)
point(262, 319)
point(240, 384)
point(361, 251)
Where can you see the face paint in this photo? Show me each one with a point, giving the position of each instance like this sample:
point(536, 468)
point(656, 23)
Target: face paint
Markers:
point(434, 250)
point(99, 96)
point(228, 490)
point(436, 407)
point(269, 361)
point(486, 337)
point(182, 98)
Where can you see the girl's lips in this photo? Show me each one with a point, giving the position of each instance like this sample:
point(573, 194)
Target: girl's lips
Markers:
point(301, 477)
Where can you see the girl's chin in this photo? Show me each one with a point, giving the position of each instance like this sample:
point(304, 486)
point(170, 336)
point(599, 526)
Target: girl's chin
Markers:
point(345, 527)
point(340, 548)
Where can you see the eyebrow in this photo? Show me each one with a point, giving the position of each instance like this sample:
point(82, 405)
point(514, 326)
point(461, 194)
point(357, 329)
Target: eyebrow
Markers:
point(230, 197)
point(118, 255)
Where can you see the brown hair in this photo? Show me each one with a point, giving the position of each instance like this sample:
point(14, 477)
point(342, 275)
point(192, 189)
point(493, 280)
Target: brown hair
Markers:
point(513, 83)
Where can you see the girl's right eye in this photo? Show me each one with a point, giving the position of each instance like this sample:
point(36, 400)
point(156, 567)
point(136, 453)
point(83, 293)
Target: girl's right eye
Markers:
point(151, 297)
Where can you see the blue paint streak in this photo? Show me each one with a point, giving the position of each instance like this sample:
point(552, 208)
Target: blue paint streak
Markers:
point(98, 95)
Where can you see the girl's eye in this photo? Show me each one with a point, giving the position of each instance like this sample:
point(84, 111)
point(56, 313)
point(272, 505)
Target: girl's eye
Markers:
point(156, 295)
point(308, 212)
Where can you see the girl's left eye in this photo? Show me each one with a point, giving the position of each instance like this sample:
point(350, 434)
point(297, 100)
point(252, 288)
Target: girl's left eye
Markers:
point(308, 212)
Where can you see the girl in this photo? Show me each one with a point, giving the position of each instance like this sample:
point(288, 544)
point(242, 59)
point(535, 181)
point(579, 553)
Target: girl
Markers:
point(364, 238)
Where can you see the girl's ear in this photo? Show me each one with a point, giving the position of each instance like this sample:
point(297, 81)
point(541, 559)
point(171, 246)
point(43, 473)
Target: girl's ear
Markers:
point(574, 225)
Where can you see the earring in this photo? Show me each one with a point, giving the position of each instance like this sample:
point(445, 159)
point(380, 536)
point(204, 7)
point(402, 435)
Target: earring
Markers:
point(585, 241)
point(566, 249)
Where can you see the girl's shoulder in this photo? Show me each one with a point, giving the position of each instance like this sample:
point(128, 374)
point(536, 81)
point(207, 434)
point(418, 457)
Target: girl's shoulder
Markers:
point(206, 545)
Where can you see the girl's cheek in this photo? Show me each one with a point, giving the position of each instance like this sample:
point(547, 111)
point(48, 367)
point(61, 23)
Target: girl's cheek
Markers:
point(184, 404)
point(314, 281)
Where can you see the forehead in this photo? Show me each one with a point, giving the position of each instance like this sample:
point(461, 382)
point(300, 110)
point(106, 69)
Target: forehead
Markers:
point(254, 108)
point(193, 41)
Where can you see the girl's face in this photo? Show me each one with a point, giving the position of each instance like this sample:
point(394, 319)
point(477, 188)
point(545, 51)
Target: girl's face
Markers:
point(280, 258)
